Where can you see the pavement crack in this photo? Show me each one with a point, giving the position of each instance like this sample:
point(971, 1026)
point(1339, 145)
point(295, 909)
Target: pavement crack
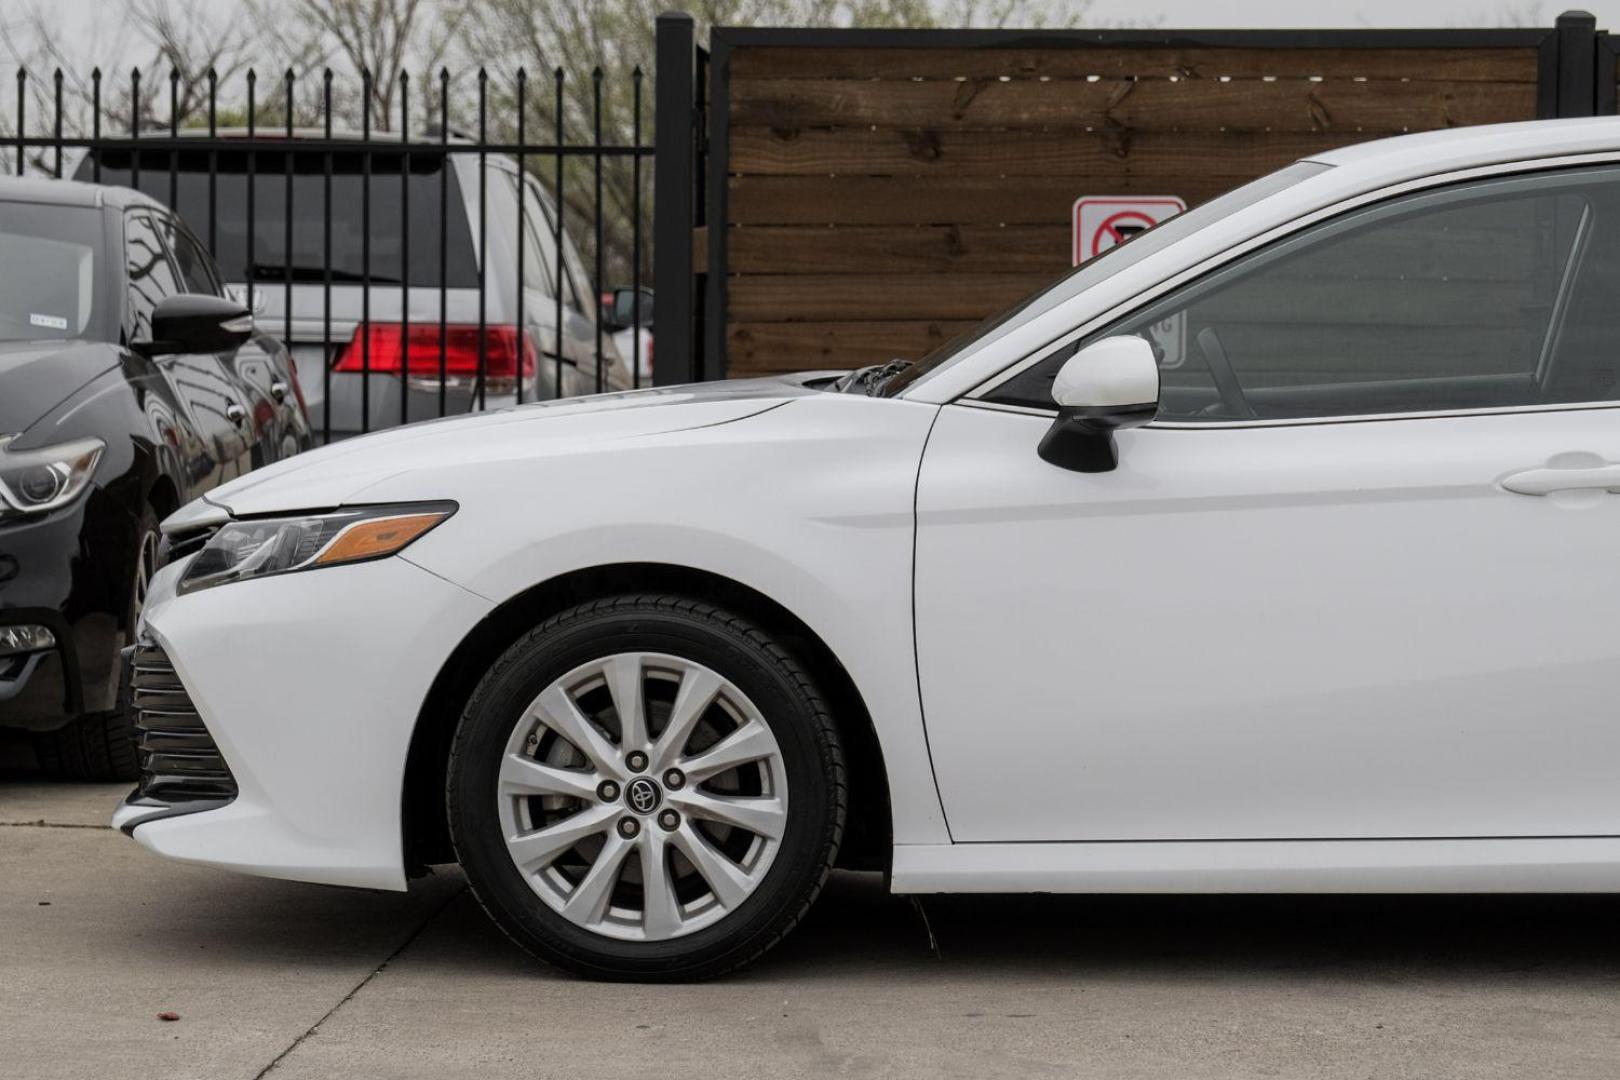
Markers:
point(43, 824)
point(410, 939)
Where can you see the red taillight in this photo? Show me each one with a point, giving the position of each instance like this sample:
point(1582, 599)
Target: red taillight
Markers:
point(459, 347)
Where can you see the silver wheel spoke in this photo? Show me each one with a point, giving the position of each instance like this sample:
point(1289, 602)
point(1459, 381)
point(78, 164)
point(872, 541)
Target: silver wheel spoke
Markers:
point(699, 686)
point(642, 825)
point(536, 850)
point(759, 815)
point(590, 897)
point(728, 881)
point(748, 743)
point(660, 913)
point(524, 776)
point(624, 676)
point(557, 710)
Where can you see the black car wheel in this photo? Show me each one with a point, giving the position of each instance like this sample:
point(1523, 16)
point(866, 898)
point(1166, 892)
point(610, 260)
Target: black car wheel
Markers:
point(101, 746)
point(646, 787)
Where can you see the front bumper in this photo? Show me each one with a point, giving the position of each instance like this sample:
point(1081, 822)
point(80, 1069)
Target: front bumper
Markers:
point(71, 572)
point(310, 684)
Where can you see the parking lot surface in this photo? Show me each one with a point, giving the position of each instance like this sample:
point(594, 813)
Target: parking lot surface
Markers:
point(97, 937)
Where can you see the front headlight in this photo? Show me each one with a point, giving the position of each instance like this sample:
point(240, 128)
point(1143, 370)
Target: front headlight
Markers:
point(260, 547)
point(34, 481)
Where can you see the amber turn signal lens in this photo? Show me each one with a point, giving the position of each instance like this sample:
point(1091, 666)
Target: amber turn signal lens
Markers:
point(376, 538)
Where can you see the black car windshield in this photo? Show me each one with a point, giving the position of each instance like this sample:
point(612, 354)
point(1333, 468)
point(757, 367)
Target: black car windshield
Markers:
point(50, 260)
point(1107, 264)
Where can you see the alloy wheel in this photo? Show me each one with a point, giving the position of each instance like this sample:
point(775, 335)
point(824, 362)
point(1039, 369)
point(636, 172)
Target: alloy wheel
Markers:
point(642, 796)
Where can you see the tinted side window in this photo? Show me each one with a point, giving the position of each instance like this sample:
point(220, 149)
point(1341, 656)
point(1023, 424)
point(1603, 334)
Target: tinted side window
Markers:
point(151, 277)
point(539, 252)
point(1478, 295)
point(196, 268)
point(573, 267)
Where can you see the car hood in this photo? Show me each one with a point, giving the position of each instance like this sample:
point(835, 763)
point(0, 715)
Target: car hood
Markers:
point(341, 473)
point(37, 376)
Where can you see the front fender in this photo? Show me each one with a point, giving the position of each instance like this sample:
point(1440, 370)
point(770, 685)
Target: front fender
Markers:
point(809, 504)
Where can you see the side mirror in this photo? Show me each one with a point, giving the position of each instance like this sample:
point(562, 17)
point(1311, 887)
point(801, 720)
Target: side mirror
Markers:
point(1109, 384)
point(193, 323)
point(623, 311)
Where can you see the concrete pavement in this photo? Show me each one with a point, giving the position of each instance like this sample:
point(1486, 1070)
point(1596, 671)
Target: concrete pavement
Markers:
point(299, 981)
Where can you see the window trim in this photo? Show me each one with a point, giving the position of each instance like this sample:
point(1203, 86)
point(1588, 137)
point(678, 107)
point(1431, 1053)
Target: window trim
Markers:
point(976, 395)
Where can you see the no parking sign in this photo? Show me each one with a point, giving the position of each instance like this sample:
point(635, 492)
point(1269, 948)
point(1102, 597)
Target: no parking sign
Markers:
point(1102, 221)
point(1105, 221)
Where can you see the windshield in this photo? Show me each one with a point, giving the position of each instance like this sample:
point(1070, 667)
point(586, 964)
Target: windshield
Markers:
point(49, 262)
point(1107, 264)
point(227, 191)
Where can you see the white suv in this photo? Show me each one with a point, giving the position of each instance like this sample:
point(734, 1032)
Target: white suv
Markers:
point(403, 242)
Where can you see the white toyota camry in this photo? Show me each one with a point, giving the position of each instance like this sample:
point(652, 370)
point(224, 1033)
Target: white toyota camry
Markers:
point(1274, 550)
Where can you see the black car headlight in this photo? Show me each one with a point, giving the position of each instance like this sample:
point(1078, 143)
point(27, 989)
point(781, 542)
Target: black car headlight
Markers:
point(260, 547)
point(34, 481)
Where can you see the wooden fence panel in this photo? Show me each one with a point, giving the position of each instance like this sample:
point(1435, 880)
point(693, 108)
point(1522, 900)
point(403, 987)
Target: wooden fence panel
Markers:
point(879, 200)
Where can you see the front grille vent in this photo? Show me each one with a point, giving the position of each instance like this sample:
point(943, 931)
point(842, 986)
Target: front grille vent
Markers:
point(179, 760)
point(176, 546)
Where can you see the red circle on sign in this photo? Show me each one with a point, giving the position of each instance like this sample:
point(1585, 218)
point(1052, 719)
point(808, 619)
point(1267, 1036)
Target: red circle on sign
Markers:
point(1111, 225)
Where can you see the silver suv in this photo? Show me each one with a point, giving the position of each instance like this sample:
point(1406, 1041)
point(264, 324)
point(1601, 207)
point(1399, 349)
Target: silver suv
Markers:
point(352, 350)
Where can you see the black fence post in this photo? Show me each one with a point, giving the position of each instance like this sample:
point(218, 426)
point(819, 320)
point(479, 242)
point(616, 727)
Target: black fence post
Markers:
point(1577, 64)
point(673, 189)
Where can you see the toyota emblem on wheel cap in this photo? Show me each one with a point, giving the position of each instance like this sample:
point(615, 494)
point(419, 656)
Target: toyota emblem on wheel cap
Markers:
point(642, 795)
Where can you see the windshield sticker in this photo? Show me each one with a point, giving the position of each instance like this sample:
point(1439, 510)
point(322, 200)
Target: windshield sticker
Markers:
point(50, 322)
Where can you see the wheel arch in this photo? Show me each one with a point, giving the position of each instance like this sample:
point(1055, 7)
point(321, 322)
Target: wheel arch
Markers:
point(163, 496)
point(868, 838)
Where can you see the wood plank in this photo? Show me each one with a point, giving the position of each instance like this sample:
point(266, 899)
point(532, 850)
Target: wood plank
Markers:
point(930, 151)
point(766, 347)
point(1156, 105)
point(1037, 249)
point(1420, 253)
point(887, 297)
point(1515, 64)
point(862, 200)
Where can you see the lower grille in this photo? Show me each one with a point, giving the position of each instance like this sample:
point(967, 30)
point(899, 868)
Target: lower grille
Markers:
point(179, 760)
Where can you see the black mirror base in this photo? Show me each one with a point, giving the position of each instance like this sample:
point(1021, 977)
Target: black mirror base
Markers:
point(1081, 439)
point(1080, 446)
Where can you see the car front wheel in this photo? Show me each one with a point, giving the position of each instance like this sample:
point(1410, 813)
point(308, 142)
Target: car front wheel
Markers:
point(100, 746)
point(646, 787)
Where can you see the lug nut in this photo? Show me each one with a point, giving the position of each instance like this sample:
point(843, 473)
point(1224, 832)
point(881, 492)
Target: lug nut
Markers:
point(636, 760)
point(628, 828)
point(607, 791)
point(674, 778)
point(670, 820)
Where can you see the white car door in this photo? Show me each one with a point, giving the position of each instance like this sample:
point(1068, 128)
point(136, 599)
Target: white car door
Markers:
point(1370, 592)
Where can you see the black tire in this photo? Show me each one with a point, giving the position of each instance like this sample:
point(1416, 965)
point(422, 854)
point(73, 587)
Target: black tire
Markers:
point(97, 747)
point(791, 705)
point(100, 747)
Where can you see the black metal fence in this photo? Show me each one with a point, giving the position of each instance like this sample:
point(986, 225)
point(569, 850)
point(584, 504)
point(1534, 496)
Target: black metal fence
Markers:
point(426, 269)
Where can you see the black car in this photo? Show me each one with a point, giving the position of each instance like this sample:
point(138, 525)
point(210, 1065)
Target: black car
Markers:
point(129, 384)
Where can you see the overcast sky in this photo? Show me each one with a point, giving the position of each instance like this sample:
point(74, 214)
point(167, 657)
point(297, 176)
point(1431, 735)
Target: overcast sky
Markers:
point(88, 21)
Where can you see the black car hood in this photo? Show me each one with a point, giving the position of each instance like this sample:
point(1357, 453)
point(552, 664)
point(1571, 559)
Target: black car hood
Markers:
point(37, 376)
